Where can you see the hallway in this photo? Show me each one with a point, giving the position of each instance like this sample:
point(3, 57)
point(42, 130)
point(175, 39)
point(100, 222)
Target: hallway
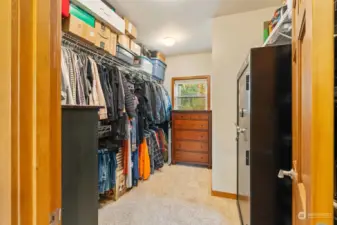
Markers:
point(178, 195)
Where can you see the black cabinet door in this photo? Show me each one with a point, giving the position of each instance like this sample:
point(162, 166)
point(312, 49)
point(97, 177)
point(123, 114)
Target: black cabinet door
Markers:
point(79, 166)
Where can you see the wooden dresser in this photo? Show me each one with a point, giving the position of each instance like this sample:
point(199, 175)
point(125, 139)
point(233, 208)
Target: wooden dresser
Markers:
point(192, 137)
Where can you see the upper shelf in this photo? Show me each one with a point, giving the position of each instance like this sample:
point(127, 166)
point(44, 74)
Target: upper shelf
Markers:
point(282, 32)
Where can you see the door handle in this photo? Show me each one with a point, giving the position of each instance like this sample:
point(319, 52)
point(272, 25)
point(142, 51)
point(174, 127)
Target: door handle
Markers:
point(291, 173)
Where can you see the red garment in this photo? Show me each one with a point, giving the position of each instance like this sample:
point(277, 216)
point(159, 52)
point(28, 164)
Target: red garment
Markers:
point(65, 8)
point(125, 155)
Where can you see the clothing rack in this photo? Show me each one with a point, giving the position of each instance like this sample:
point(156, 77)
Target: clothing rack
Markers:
point(100, 56)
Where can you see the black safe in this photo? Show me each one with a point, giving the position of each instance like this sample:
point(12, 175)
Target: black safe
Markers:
point(264, 137)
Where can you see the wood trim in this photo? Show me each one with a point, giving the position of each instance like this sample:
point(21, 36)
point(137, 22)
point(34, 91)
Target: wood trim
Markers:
point(15, 98)
point(5, 110)
point(207, 77)
point(313, 109)
point(30, 180)
point(27, 130)
point(55, 104)
point(224, 195)
point(243, 197)
point(210, 141)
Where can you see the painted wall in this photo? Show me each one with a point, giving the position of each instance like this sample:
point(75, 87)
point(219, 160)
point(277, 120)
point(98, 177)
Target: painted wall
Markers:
point(187, 65)
point(232, 37)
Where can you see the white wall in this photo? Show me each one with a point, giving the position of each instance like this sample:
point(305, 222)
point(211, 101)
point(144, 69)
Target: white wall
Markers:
point(232, 37)
point(187, 65)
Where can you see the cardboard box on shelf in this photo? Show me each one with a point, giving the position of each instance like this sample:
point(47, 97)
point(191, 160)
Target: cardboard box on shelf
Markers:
point(124, 41)
point(78, 27)
point(103, 13)
point(73, 25)
point(82, 15)
point(135, 48)
point(113, 43)
point(103, 36)
point(89, 33)
point(158, 55)
point(130, 29)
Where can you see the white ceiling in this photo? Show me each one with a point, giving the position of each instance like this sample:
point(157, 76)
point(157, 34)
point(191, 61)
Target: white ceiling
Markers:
point(188, 21)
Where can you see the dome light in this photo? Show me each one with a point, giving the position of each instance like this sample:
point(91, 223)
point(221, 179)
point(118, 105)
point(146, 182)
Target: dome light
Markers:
point(169, 41)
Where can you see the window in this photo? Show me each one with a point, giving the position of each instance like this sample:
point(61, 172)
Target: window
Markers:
point(191, 93)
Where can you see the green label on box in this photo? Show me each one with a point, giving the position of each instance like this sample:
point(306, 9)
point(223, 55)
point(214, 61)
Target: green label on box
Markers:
point(82, 15)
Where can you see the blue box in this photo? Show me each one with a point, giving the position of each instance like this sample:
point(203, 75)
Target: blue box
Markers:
point(159, 68)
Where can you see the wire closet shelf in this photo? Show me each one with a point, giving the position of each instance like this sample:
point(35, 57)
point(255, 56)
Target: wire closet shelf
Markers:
point(100, 56)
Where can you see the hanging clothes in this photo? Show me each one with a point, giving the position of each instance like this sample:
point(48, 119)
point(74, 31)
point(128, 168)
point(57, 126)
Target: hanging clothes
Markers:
point(66, 90)
point(144, 161)
point(129, 179)
point(81, 83)
point(100, 96)
point(107, 164)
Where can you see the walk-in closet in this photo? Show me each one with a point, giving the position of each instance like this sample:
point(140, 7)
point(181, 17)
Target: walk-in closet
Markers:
point(115, 111)
point(170, 112)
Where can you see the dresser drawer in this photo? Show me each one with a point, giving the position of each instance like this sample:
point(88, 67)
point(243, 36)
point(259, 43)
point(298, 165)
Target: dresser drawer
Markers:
point(181, 156)
point(199, 116)
point(191, 135)
point(181, 116)
point(191, 124)
point(191, 146)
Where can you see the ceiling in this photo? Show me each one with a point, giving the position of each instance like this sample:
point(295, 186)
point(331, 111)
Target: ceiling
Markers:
point(188, 21)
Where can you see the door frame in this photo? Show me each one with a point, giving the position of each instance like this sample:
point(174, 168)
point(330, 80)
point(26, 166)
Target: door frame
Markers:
point(243, 69)
point(30, 183)
point(313, 111)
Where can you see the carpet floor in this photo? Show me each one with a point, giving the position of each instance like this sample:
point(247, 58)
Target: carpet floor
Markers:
point(177, 195)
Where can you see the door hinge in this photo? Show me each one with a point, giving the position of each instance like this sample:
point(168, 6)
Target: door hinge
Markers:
point(247, 83)
point(55, 217)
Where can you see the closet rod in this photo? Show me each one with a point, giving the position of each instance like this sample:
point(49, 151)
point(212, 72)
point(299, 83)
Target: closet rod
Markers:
point(101, 56)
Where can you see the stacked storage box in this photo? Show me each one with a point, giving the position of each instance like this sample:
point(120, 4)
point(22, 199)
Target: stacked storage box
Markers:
point(159, 69)
point(159, 66)
point(125, 54)
point(145, 64)
point(103, 13)
point(106, 39)
point(80, 23)
point(65, 8)
point(84, 25)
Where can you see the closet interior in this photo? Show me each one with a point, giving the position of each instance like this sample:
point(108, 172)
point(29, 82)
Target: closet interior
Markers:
point(115, 111)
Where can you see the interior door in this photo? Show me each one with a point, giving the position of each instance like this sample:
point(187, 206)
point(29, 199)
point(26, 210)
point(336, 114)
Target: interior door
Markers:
point(313, 123)
point(30, 155)
point(243, 154)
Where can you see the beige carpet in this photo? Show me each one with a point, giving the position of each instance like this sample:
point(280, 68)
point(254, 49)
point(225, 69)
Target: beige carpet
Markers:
point(178, 195)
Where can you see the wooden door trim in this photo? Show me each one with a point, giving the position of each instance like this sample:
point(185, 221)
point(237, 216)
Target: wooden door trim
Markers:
point(207, 77)
point(6, 117)
point(313, 98)
point(323, 107)
point(30, 182)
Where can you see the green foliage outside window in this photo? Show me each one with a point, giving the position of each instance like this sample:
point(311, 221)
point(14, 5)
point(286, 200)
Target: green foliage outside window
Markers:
point(191, 96)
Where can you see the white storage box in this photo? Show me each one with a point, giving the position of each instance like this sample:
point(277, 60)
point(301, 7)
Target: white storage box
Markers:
point(103, 13)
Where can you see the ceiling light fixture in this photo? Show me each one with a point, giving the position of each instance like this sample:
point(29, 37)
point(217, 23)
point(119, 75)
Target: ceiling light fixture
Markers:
point(169, 41)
